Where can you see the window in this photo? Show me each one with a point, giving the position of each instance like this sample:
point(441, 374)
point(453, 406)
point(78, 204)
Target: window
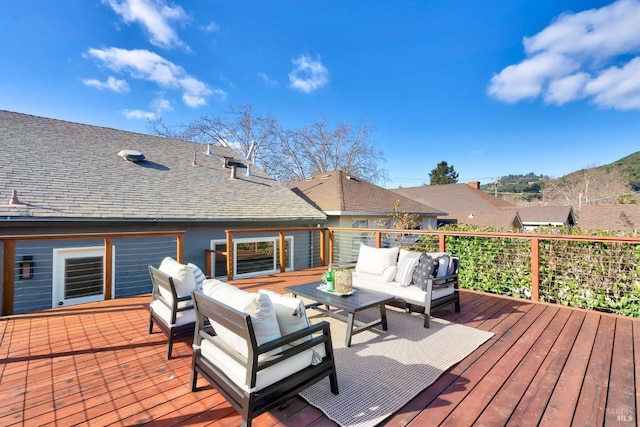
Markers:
point(253, 256)
point(78, 275)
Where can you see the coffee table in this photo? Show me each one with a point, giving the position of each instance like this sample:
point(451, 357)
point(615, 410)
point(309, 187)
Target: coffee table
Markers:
point(360, 300)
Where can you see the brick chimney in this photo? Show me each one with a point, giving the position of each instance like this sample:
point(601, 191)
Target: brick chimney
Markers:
point(474, 184)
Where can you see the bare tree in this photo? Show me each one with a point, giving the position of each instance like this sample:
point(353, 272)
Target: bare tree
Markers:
point(587, 186)
point(319, 147)
point(239, 128)
point(287, 155)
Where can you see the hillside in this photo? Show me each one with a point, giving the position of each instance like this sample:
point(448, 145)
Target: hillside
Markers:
point(630, 167)
point(528, 186)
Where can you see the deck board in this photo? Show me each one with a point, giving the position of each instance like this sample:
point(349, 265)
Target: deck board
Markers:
point(96, 364)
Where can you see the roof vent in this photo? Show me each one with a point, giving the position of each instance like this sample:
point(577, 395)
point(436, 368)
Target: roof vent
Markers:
point(14, 198)
point(131, 155)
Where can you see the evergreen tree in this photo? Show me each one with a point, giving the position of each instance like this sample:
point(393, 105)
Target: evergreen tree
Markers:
point(443, 174)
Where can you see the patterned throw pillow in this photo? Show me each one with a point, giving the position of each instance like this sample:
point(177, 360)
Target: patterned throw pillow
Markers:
point(407, 262)
point(198, 275)
point(424, 271)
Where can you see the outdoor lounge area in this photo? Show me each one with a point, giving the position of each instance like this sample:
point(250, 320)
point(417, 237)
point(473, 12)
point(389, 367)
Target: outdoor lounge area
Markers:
point(96, 364)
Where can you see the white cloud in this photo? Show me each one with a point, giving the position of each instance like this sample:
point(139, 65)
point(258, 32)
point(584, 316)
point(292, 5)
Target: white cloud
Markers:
point(211, 27)
point(161, 104)
point(617, 87)
point(155, 16)
point(526, 79)
point(145, 65)
point(113, 84)
point(139, 114)
point(308, 75)
point(591, 54)
point(267, 80)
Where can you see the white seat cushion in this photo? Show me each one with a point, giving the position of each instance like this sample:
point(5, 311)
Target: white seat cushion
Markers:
point(411, 294)
point(164, 312)
point(237, 372)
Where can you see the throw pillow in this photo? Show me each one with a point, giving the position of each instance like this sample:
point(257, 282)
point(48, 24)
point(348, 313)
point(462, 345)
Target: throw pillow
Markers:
point(388, 272)
point(443, 265)
point(424, 271)
point(407, 262)
point(198, 275)
point(371, 260)
point(182, 276)
point(257, 305)
point(290, 312)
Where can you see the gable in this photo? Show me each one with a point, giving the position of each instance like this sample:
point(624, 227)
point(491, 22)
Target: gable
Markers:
point(339, 193)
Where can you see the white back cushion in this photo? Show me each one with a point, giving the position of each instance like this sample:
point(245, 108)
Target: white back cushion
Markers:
point(373, 260)
point(257, 305)
point(182, 275)
point(290, 312)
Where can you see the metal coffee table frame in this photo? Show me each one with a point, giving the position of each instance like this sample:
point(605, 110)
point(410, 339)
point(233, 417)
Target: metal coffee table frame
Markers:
point(360, 300)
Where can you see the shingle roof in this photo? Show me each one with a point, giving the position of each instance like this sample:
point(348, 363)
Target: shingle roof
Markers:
point(454, 197)
point(338, 192)
point(546, 214)
point(610, 217)
point(62, 169)
point(500, 219)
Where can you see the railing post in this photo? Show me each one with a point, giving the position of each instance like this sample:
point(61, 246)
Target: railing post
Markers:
point(323, 247)
point(230, 255)
point(207, 262)
point(535, 269)
point(8, 276)
point(378, 239)
point(331, 237)
point(283, 264)
point(180, 248)
point(108, 268)
point(442, 245)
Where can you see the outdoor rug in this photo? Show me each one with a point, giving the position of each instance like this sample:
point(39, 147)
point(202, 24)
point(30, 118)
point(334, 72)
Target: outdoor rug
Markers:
point(383, 370)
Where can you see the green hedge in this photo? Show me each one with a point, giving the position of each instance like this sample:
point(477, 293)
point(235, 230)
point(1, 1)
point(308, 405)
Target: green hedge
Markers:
point(586, 274)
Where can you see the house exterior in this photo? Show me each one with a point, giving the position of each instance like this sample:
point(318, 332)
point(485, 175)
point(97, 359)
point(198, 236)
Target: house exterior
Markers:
point(468, 204)
point(610, 218)
point(350, 202)
point(455, 197)
point(546, 216)
point(499, 219)
point(62, 177)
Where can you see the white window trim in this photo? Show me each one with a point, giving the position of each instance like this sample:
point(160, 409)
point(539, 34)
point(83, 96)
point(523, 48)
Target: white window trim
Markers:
point(58, 274)
point(274, 240)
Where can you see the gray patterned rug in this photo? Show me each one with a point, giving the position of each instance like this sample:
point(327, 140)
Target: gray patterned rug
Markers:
point(383, 370)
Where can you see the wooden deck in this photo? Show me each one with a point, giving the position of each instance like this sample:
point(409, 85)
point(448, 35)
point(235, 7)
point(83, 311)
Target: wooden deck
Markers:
point(96, 364)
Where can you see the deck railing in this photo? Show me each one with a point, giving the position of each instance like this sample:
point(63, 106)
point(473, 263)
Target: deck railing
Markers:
point(593, 272)
point(29, 259)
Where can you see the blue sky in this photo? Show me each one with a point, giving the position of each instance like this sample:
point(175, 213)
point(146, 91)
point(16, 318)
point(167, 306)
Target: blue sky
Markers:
point(493, 87)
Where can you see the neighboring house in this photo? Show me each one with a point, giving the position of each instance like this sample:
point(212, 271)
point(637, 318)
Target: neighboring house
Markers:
point(351, 202)
point(468, 204)
point(610, 218)
point(546, 216)
point(455, 197)
point(506, 219)
point(63, 177)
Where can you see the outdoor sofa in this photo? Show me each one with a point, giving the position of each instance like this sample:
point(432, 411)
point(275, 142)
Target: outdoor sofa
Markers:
point(424, 279)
